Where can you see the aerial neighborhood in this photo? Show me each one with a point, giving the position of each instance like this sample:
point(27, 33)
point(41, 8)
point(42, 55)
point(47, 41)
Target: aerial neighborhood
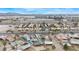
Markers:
point(39, 32)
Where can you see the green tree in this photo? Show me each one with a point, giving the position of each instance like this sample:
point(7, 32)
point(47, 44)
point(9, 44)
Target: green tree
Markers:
point(65, 47)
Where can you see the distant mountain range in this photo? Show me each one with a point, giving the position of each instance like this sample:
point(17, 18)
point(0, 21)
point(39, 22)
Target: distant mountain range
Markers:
point(18, 14)
point(10, 14)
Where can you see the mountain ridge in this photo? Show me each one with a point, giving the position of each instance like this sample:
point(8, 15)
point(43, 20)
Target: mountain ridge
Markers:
point(19, 14)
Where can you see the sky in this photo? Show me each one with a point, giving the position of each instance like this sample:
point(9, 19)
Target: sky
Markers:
point(40, 10)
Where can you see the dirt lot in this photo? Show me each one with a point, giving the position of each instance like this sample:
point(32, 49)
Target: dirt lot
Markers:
point(40, 48)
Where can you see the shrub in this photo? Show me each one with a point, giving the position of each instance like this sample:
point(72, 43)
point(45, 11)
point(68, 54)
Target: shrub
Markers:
point(65, 47)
